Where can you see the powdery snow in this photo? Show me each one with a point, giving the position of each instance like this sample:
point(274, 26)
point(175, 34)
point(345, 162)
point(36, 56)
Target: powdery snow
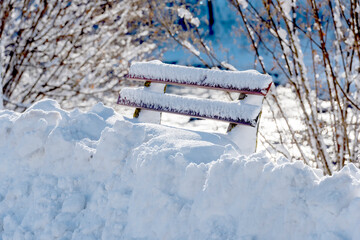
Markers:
point(250, 80)
point(227, 111)
point(184, 13)
point(96, 175)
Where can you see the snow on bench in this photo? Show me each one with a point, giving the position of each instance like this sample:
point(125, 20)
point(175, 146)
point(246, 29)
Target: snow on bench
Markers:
point(234, 112)
point(248, 82)
point(242, 115)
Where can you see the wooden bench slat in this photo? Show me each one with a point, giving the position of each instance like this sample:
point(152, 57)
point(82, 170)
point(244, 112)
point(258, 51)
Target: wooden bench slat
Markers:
point(233, 112)
point(251, 91)
point(248, 82)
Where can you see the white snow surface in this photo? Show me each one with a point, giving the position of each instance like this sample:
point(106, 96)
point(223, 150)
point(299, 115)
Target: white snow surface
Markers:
point(250, 79)
point(98, 175)
point(209, 108)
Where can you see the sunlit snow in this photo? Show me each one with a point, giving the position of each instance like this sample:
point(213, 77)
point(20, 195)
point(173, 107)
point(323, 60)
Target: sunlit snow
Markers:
point(98, 175)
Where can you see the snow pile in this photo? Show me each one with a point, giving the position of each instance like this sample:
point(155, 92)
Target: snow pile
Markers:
point(96, 175)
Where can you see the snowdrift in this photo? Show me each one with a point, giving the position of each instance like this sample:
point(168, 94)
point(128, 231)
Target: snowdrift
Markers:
point(97, 175)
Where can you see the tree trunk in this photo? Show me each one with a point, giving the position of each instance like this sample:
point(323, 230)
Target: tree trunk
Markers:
point(211, 17)
point(1, 88)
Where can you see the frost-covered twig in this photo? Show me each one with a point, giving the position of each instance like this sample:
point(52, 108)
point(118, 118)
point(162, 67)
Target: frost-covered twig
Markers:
point(327, 77)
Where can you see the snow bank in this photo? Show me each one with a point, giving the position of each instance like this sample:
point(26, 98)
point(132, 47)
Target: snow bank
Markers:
point(96, 175)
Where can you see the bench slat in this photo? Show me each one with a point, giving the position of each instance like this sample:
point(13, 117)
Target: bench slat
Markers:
point(251, 91)
point(233, 112)
point(248, 82)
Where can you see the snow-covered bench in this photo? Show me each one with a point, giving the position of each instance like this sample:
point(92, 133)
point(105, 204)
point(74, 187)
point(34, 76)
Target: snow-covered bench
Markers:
point(244, 114)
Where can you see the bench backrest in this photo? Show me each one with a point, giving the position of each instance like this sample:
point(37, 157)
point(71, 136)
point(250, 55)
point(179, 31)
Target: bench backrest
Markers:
point(243, 114)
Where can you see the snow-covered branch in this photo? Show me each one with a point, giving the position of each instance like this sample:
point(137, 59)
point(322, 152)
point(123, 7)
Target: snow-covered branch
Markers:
point(322, 75)
point(70, 47)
